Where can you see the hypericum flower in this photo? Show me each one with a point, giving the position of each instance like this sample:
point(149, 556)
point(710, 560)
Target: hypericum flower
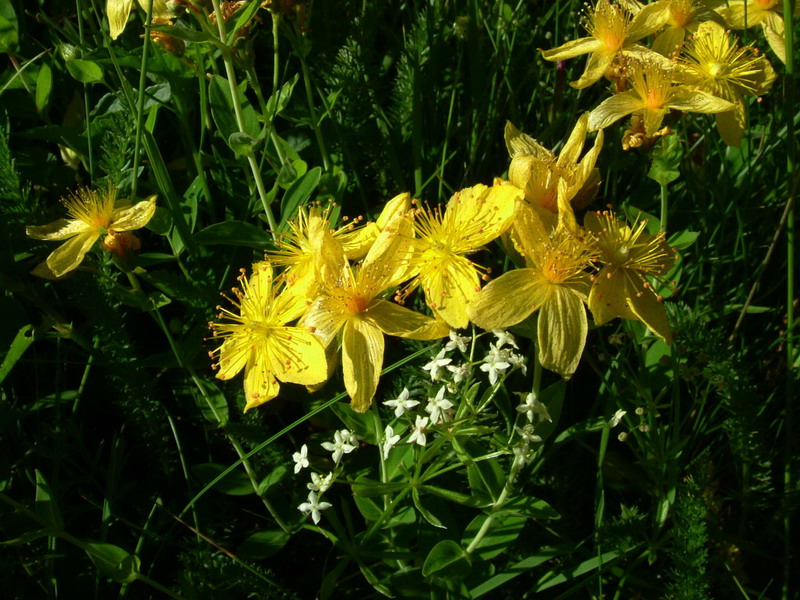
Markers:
point(438, 406)
point(339, 446)
point(555, 283)
point(612, 32)
point(349, 307)
point(437, 364)
point(539, 171)
point(628, 255)
point(616, 418)
point(357, 241)
point(402, 403)
point(418, 434)
point(713, 62)
point(320, 484)
point(457, 341)
point(473, 218)
point(300, 459)
point(390, 439)
point(313, 506)
point(532, 408)
point(682, 18)
point(652, 95)
point(92, 215)
point(119, 10)
point(495, 362)
point(741, 14)
point(258, 340)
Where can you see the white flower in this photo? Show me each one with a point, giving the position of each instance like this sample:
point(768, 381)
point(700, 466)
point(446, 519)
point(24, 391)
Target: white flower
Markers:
point(438, 406)
point(300, 459)
point(460, 372)
point(527, 435)
point(617, 418)
point(517, 360)
point(504, 338)
point(339, 446)
point(313, 506)
point(418, 435)
point(494, 362)
point(389, 440)
point(532, 407)
point(348, 437)
point(402, 403)
point(456, 341)
point(436, 364)
point(320, 484)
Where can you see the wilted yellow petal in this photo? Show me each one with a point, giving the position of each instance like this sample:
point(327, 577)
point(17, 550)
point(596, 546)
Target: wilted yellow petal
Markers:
point(731, 125)
point(362, 360)
point(613, 109)
point(562, 330)
point(572, 49)
point(296, 356)
point(647, 308)
point(137, 216)
point(57, 230)
point(118, 12)
point(69, 255)
point(393, 319)
point(507, 300)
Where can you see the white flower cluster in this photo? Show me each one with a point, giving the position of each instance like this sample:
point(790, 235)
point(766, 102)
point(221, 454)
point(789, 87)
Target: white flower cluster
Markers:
point(438, 409)
point(501, 356)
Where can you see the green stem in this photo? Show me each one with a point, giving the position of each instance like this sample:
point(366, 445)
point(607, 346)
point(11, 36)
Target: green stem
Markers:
point(137, 147)
point(237, 109)
point(85, 97)
point(664, 207)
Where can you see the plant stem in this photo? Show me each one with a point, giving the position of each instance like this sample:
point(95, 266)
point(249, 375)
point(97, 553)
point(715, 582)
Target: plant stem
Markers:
point(137, 145)
point(237, 109)
point(664, 207)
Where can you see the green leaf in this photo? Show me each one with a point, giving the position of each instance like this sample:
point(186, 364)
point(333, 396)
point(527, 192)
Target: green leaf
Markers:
point(45, 505)
point(666, 159)
point(274, 477)
point(113, 561)
point(84, 71)
point(426, 514)
point(503, 530)
point(233, 233)
point(9, 27)
point(452, 496)
point(362, 424)
point(368, 508)
point(263, 544)
point(290, 172)
point(299, 192)
point(279, 100)
point(183, 33)
point(372, 489)
point(44, 85)
point(528, 506)
point(683, 239)
point(486, 478)
point(242, 143)
point(448, 559)
point(213, 406)
point(243, 17)
point(19, 345)
point(517, 569)
point(223, 113)
point(569, 573)
point(235, 483)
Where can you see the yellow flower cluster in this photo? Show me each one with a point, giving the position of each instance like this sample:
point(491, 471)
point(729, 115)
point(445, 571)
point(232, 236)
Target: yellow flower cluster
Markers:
point(344, 288)
point(694, 64)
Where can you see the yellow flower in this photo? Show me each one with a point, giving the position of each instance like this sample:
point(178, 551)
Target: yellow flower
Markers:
point(257, 339)
point(628, 255)
point(538, 171)
point(612, 31)
point(119, 10)
point(555, 283)
point(356, 242)
point(715, 63)
point(741, 14)
point(652, 95)
point(92, 214)
point(682, 18)
point(473, 218)
point(350, 308)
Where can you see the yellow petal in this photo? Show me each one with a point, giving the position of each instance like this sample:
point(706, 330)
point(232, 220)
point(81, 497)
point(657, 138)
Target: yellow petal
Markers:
point(507, 300)
point(260, 384)
point(128, 218)
point(669, 41)
point(608, 300)
point(387, 263)
point(683, 98)
point(477, 215)
point(162, 9)
point(450, 283)
point(69, 255)
point(562, 330)
point(572, 48)
point(325, 318)
point(596, 67)
point(774, 31)
point(233, 355)
point(118, 12)
point(57, 230)
point(613, 109)
point(519, 143)
point(574, 146)
point(731, 125)
point(652, 120)
point(647, 308)
point(328, 253)
point(739, 17)
point(296, 356)
point(393, 319)
point(362, 360)
point(648, 20)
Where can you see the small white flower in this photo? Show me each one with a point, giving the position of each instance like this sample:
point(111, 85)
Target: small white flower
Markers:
point(504, 338)
point(532, 407)
point(436, 365)
point(456, 341)
point(460, 372)
point(339, 446)
point(438, 406)
point(617, 418)
point(402, 403)
point(313, 506)
point(300, 459)
point(418, 435)
point(320, 484)
point(389, 441)
point(348, 437)
point(494, 362)
point(527, 434)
